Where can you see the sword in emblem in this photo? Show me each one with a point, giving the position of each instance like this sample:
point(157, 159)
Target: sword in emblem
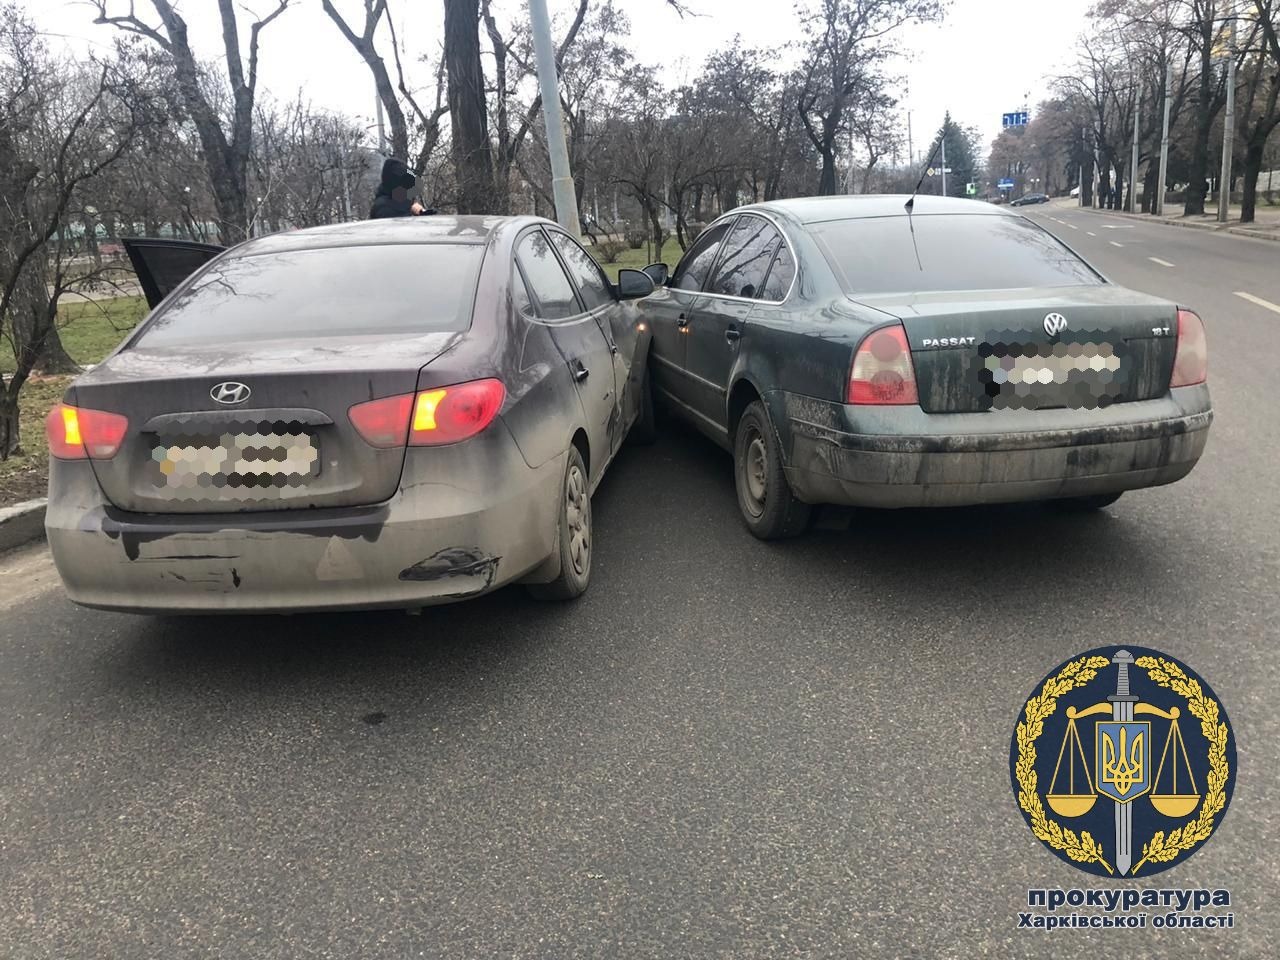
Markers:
point(1122, 710)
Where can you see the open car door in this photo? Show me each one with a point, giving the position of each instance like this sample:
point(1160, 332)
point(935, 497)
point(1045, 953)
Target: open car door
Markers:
point(163, 264)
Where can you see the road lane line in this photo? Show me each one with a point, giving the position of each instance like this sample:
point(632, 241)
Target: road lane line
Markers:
point(1073, 226)
point(1091, 233)
point(1265, 304)
point(1114, 244)
point(1163, 263)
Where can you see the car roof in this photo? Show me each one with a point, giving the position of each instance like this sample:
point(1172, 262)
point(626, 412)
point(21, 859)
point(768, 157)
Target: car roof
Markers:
point(862, 206)
point(435, 228)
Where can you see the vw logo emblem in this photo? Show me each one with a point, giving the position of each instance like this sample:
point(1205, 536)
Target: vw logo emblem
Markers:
point(1054, 324)
point(229, 391)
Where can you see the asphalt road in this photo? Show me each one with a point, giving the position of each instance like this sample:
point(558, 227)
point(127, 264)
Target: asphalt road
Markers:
point(726, 749)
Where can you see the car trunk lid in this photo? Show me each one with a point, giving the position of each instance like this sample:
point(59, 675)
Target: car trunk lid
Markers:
point(287, 443)
point(1077, 346)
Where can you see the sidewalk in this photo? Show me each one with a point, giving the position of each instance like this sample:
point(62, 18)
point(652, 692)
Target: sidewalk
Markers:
point(1266, 225)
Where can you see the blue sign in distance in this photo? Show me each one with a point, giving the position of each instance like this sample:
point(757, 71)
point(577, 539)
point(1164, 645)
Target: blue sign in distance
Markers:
point(1016, 119)
point(1005, 184)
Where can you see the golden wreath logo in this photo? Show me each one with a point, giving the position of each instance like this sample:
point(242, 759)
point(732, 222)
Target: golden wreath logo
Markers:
point(1123, 762)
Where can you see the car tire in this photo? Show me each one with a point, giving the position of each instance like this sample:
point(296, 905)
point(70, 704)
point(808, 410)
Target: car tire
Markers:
point(644, 431)
point(574, 531)
point(765, 500)
point(1083, 504)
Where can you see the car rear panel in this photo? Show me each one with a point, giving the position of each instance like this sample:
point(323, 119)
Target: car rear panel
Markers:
point(289, 445)
point(993, 350)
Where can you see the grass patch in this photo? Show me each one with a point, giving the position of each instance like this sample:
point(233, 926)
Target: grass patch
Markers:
point(635, 259)
point(90, 330)
point(24, 476)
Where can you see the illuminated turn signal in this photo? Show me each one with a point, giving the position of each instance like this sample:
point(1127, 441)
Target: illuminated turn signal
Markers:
point(75, 433)
point(429, 417)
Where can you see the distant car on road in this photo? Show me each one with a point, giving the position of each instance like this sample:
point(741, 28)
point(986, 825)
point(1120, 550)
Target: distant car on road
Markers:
point(847, 351)
point(382, 414)
point(1029, 199)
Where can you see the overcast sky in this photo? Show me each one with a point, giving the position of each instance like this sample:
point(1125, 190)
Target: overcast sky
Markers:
point(980, 62)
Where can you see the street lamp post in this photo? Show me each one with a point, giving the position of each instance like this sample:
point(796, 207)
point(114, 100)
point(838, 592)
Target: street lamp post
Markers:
point(1228, 120)
point(1158, 207)
point(561, 178)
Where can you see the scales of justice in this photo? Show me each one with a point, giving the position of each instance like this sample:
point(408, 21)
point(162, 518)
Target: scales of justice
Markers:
point(1123, 763)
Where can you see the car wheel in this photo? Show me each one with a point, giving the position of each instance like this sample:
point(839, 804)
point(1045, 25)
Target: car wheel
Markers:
point(1083, 504)
point(770, 510)
point(574, 530)
point(645, 430)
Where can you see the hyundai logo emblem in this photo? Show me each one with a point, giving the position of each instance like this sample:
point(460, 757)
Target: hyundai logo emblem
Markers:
point(229, 391)
point(1054, 324)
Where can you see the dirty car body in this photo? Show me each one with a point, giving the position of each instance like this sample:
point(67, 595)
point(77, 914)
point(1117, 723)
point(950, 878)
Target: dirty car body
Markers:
point(366, 415)
point(945, 355)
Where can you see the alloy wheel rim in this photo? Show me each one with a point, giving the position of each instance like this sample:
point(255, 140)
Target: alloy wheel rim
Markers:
point(578, 520)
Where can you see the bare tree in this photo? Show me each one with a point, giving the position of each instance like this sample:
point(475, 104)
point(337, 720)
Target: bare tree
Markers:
point(846, 41)
point(63, 125)
point(468, 114)
point(225, 151)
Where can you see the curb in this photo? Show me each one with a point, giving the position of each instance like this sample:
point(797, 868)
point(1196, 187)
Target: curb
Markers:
point(1211, 227)
point(22, 523)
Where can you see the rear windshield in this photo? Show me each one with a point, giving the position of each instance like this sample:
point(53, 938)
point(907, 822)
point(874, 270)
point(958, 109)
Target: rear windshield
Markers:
point(946, 252)
point(331, 291)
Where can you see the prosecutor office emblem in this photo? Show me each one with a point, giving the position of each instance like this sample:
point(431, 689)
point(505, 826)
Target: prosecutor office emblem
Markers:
point(1123, 761)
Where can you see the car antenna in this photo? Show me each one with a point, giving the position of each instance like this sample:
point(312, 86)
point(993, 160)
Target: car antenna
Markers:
point(911, 202)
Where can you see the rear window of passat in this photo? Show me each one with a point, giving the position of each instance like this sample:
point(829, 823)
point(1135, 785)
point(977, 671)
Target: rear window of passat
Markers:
point(924, 253)
point(331, 291)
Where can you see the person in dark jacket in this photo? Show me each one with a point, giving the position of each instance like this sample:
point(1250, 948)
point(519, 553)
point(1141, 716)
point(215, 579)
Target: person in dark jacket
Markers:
point(392, 198)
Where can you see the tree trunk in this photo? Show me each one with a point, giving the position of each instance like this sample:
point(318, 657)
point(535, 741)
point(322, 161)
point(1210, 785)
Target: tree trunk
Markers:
point(1198, 169)
point(10, 439)
point(53, 355)
point(472, 156)
point(1253, 154)
point(827, 179)
point(1149, 186)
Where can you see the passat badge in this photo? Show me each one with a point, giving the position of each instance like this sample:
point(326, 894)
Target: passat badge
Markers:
point(1123, 762)
point(1054, 324)
point(229, 391)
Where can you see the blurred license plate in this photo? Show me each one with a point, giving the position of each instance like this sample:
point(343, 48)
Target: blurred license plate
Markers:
point(254, 460)
point(1029, 376)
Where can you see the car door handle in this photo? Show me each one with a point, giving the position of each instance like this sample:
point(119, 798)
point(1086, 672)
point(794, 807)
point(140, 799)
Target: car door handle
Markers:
point(580, 372)
point(732, 334)
point(682, 321)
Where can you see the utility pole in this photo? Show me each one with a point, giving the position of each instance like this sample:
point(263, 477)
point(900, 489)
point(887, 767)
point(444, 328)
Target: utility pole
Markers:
point(1158, 207)
point(549, 85)
point(1133, 164)
point(944, 162)
point(1228, 119)
point(911, 156)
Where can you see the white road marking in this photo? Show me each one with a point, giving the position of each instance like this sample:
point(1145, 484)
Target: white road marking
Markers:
point(1117, 226)
point(1265, 304)
point(1163, 263)
point(1091, 233)
point(1073, 226)
point(1114, 244)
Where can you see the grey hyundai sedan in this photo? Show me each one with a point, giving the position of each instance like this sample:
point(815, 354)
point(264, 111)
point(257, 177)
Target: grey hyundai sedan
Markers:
point(873, 352)
point(382, 414)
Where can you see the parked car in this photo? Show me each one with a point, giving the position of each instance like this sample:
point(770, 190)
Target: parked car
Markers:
point(880, 353)
point(382, 414)
point(1029, 199)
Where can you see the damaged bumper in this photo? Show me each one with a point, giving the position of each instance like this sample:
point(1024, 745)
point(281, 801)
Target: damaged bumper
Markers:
point(467, 519)
point(904, 457)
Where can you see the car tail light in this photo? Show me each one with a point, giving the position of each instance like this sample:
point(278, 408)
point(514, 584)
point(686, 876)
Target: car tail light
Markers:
point(882, 371)
point(75, 433)
point(1191, 362)
point(429, 417)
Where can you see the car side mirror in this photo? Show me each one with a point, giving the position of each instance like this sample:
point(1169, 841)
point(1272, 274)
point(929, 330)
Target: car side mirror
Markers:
point(633, 284)
point(658, 273)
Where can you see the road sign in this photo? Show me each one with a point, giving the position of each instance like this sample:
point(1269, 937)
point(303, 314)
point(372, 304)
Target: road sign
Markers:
point(935, 171)
point(970, 189)
point(1016, 119)
point(1005, 184)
